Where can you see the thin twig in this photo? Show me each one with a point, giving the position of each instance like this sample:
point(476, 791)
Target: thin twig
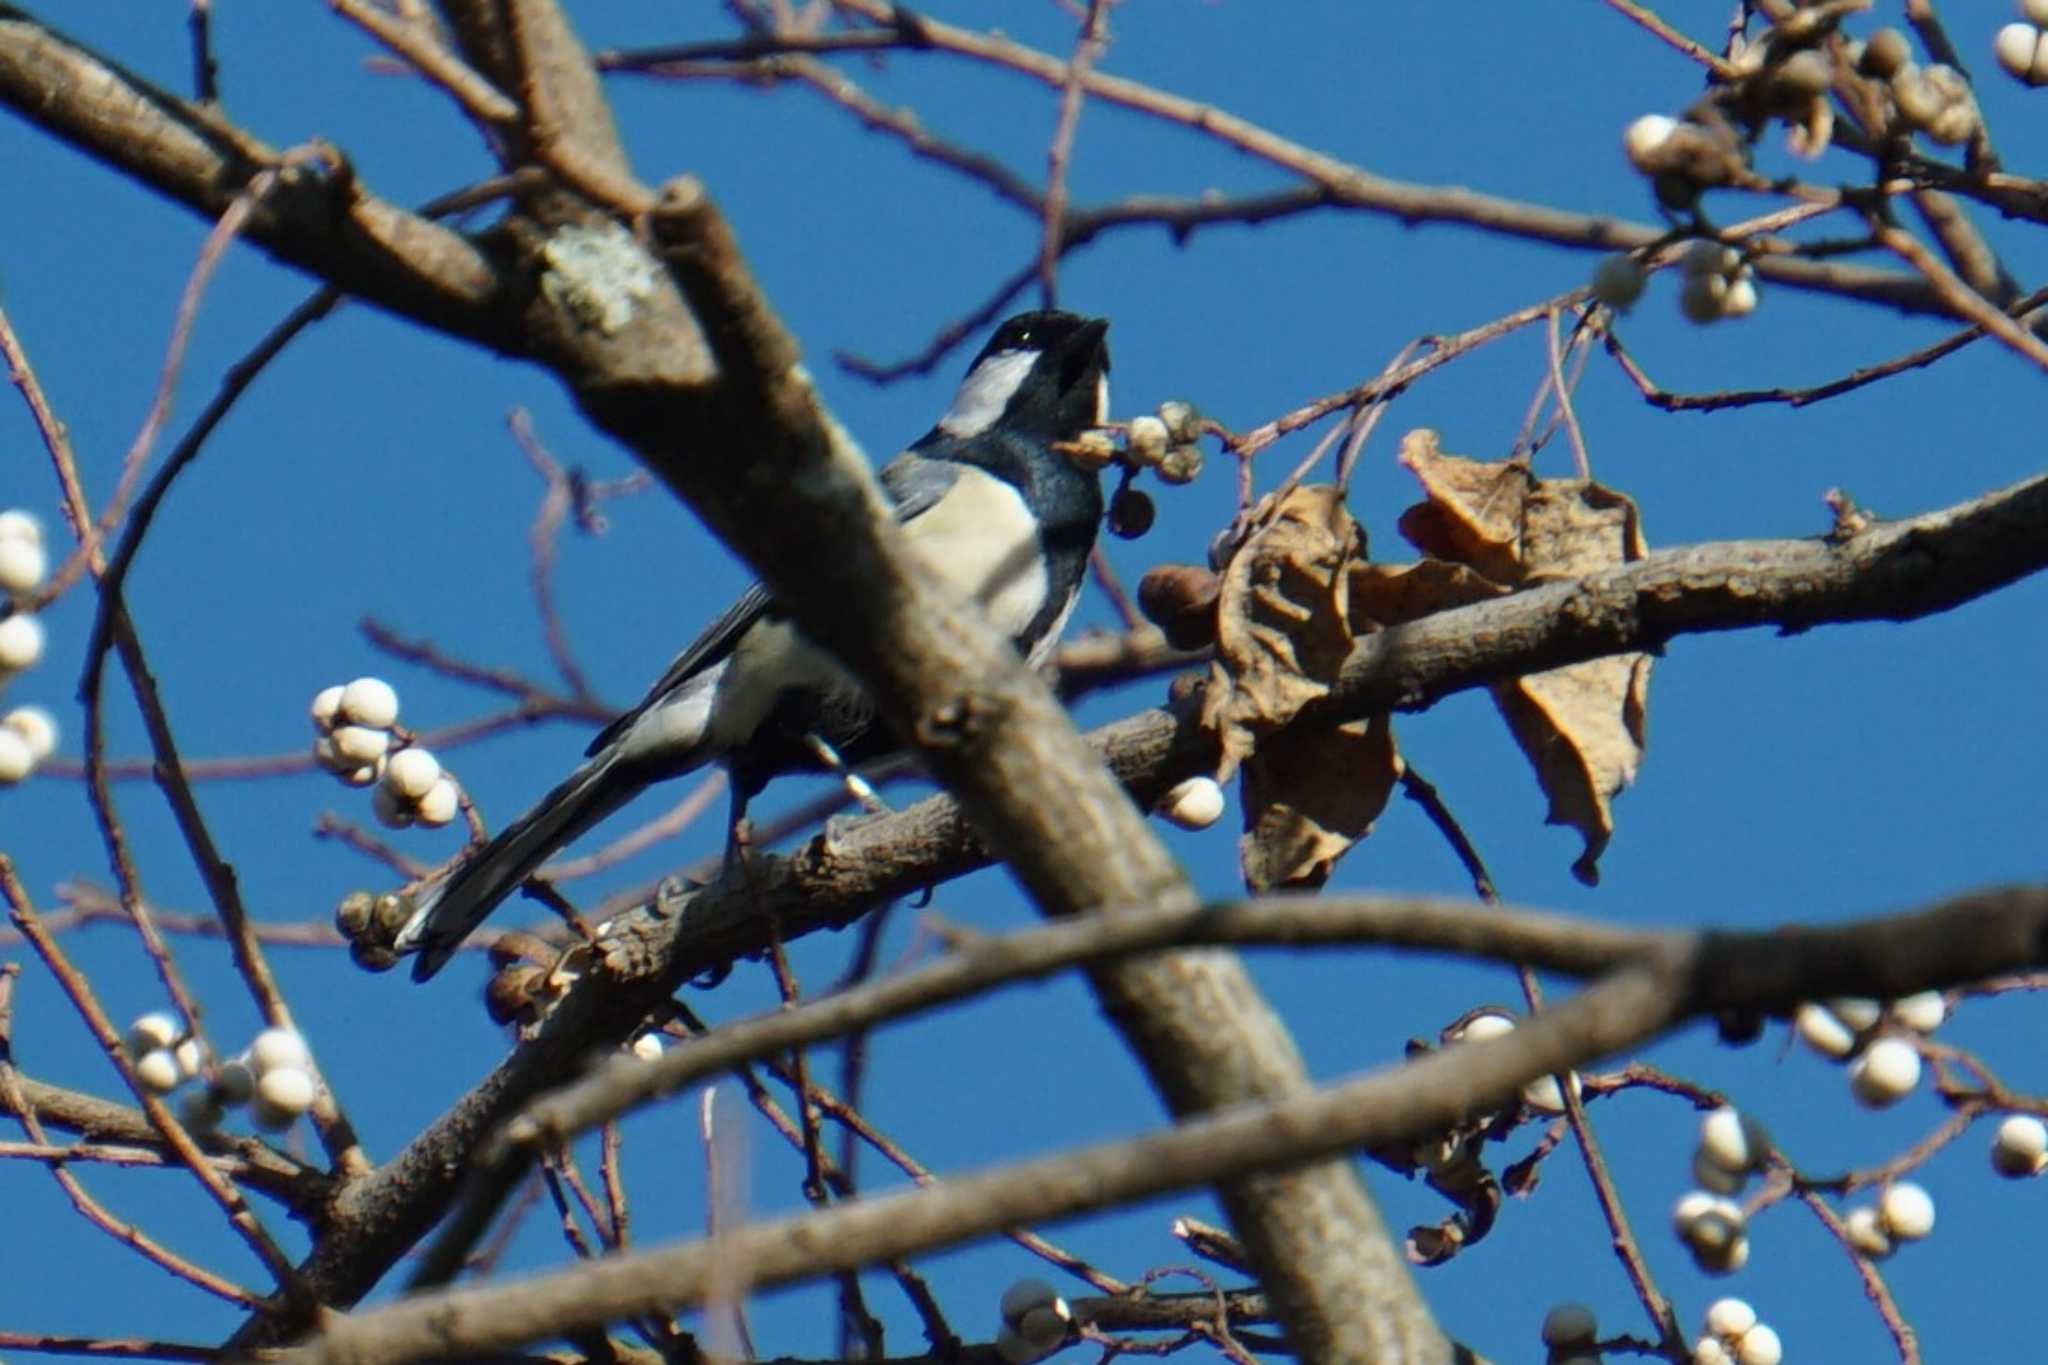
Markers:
point(1088, 48)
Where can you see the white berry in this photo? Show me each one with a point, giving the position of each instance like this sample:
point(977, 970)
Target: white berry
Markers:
point(1544, 1096)
point(1731, 1141)
point(190, 1056)
point(371, 702)
point(1824, 1031)
point(326, 707)
point(37, 728)
point(1741, 299)
point(22, 564)
point(1701, 297)
point(1194, 804)
point(2021, 1147)
point(17, 760)
point(1711, 1351)
point(359, 744)
point(1759, 1346)
point(282, 1094)
point(1484, 1026)
point(1730, 1317)
point(1570, 1324)
point(1865, 1230)
point(647, 1046)
point(410, 772)
point(150, 1033)
point(21, 642)
point(441, 803)
point(1886, 1072)
point(1645, 137)
point(2017, 47)
point(16, 524)
point(1149, 439)
point(158, 1071)
point(2036, 12)
point(1856, 1011)
point(363, 776)
point(275, 1048)
point(1908, 1211)
point(1690, 1208)
point(1922, 1013)
point(1619, 280)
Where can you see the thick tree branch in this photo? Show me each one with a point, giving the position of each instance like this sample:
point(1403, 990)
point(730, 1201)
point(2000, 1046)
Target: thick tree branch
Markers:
point(1677, 978)
point(324, 223)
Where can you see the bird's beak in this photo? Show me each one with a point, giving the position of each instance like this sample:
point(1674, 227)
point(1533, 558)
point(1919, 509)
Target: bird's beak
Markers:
point(1084, 351)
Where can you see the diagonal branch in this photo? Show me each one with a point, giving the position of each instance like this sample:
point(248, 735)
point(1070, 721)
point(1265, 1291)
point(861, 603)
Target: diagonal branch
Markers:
point(1673, 979)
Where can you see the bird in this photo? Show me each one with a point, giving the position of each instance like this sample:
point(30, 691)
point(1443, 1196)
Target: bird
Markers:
point(996, 508)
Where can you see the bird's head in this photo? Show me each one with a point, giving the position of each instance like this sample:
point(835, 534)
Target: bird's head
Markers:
point(1042, 374)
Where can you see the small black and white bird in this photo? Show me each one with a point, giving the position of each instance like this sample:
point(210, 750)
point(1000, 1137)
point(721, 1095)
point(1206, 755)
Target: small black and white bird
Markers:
point(1006, 518)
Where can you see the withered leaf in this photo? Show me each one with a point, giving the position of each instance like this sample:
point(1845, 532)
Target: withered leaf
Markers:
point(1474, 510)
point(1309, 796)
point(1394, 594)
point(1583, 726)
point(1283, 626)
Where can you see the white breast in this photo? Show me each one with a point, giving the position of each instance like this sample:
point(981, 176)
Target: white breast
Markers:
point(982, 539)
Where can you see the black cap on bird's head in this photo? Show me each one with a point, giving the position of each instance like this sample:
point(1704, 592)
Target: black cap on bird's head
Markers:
point(1043, 373)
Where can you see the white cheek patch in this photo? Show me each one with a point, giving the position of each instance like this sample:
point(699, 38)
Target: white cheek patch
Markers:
point(986, 391)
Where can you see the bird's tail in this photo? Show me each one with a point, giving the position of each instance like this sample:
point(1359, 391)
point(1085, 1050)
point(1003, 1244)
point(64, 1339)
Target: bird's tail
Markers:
point(446, 913)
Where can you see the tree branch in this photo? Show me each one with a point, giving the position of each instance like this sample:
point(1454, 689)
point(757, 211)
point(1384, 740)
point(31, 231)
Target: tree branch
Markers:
point(1676, 979)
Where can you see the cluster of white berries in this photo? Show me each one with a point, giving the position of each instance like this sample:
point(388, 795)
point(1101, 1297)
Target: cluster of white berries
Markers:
point(1934, 99)
point(1718, 283)
point(274, 1077)
point(1167, 443)
point(28, 734)
point(1884, 1062)
point(2021, 1147)
point(354, 722)
point(2022, 47)
point(1570, 1332)
point(1903, 1213)
point(1735, 1337)
point(1732, 1147)
point(1036, 1321)
point(1194, 804)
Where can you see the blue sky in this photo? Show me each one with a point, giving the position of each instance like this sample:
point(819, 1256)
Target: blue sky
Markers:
point(1845, 772)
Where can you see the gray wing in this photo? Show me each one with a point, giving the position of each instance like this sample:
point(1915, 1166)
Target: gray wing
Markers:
point(913, 484)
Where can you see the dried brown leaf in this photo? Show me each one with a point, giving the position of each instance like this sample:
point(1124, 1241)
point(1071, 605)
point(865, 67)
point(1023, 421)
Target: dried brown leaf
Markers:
point(1283, 625)
point(1394, 594)
point(1309, 797)
point(1582, 727)
point(1474, 510)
